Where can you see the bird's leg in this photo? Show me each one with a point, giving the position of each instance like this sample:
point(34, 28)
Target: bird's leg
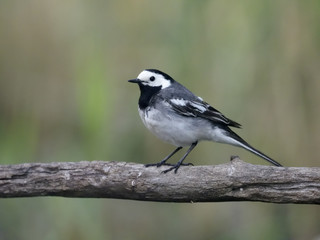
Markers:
point(163, 162)
point(176, 167)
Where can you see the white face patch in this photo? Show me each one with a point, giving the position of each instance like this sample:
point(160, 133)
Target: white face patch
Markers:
point(153, 79)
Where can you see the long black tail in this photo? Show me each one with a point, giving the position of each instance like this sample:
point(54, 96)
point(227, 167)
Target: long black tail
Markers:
point(242, 143)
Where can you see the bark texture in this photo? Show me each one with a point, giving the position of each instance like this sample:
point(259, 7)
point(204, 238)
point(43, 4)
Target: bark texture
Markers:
point(234, 181)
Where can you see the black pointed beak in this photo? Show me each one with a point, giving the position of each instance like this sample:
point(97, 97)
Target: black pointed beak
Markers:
point(136, 80)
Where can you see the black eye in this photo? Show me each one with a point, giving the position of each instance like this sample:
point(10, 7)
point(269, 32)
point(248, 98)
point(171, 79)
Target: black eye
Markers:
point(152, 78)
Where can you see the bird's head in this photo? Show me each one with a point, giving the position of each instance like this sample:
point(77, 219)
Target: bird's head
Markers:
point(153, 78)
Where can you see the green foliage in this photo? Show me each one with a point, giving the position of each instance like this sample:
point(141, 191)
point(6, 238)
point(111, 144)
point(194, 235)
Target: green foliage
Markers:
point(64, 96)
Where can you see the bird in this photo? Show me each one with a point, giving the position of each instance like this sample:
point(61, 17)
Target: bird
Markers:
point(177, 116)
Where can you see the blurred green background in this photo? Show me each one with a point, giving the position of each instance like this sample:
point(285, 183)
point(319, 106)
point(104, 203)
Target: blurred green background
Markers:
point(64, 96)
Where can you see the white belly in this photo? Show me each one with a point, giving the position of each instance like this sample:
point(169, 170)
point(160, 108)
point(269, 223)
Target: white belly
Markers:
point(177, 130)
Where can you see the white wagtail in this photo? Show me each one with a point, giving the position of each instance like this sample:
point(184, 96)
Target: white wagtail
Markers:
point(177, 116)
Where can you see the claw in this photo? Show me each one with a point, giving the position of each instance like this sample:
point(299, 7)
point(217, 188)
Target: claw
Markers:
point(159, 164)
point(176, 167)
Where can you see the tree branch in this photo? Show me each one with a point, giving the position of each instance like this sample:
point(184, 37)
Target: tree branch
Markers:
point(234, 181)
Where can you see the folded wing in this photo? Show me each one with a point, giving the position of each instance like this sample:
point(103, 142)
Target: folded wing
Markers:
point(199, 108)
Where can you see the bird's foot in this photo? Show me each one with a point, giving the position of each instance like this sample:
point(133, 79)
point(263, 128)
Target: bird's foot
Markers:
point(176, 167)
point(159, 164)
point(173, 166)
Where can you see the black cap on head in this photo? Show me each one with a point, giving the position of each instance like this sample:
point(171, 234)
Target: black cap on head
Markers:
point(166, 76)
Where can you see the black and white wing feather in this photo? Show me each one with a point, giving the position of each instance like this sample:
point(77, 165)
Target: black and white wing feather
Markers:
point(198, 108)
